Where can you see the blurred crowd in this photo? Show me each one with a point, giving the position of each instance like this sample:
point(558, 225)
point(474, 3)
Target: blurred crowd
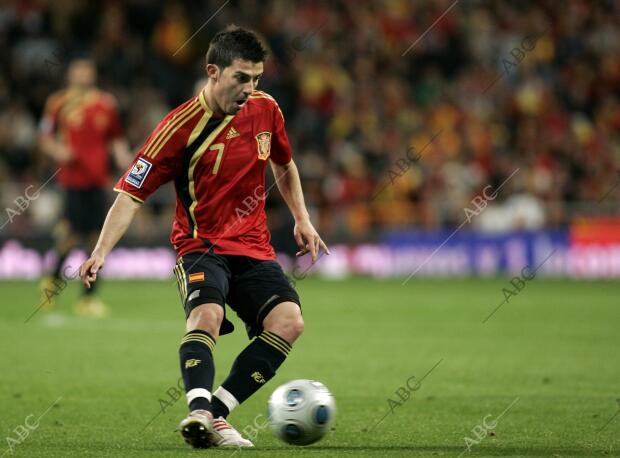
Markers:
point(396, 121)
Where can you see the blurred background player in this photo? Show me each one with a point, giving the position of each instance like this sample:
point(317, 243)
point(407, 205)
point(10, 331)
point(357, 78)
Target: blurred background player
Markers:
point(79, 128)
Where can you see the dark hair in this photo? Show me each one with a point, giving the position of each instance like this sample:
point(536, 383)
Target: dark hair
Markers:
point(235, 43)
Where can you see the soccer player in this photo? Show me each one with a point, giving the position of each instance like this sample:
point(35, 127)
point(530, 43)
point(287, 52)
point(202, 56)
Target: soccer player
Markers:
point(215, 149)
point(79, 125)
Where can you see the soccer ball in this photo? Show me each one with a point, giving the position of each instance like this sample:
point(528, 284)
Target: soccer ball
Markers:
point(301, 412)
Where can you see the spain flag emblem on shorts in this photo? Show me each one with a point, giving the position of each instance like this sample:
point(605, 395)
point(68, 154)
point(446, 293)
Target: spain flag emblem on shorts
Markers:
point(198, 276)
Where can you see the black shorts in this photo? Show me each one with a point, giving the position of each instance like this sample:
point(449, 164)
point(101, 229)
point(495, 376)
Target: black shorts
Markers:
point(86, 209)
point(251, 287)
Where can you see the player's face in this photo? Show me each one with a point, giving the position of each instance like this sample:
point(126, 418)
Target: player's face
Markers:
point(82, 74)
point(235, 83)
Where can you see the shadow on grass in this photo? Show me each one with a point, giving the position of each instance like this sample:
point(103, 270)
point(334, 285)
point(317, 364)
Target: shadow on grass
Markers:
point(478, 451)
point(333, 450)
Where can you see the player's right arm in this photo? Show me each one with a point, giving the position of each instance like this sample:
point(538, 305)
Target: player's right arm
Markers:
point(156, 163)
point(116, 223)
point(48, 144)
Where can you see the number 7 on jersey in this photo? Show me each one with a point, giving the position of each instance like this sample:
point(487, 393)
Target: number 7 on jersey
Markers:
point(220, 152)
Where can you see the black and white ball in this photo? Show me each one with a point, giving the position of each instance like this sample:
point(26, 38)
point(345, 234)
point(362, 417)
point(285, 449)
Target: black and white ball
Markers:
point(301, 412)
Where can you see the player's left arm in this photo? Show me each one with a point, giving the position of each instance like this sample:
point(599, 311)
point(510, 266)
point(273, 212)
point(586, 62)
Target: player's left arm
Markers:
point(287, 178)
point(289, 185)
point(49, 142)
point(121, 151)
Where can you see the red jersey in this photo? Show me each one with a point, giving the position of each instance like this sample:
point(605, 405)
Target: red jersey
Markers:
point(218, 168)
point(85, 121)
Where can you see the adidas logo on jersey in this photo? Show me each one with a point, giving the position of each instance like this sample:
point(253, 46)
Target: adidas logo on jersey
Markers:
point(232, 133)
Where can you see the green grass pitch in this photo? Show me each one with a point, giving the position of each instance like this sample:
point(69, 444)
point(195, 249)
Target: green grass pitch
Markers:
point(549, 359)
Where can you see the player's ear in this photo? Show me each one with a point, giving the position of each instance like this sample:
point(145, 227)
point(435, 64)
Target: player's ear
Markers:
point(213, 71)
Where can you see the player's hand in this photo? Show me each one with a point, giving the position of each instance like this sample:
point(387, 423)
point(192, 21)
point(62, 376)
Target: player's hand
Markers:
point(62, 154)
point(308, 240)
point(88, 270)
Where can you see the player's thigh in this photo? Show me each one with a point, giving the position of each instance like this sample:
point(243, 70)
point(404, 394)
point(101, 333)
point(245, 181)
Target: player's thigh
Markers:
point(97, 201)
point(85, 210)
point(203, 281)
point(258, 291)
point(74, 209)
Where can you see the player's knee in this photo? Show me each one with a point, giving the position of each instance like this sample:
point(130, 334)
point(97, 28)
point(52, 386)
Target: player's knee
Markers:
point(206, 317)
point(286, 321)
point(296, 328)
point(288, 328)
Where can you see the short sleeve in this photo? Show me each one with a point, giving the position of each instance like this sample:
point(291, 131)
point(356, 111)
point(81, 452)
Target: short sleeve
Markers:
point(49, 120)
point(115, 129)
point(281, 152)
point(156, 163)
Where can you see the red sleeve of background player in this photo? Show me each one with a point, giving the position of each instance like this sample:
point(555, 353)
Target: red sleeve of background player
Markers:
point(49, 120)
point(115, 129)
point(161, 158)
point(281, 152)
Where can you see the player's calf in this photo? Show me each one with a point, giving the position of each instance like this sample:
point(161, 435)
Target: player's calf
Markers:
point(259, 361)
point(198, 370)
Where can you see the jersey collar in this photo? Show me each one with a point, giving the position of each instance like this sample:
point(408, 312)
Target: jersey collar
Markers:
point(203, 102)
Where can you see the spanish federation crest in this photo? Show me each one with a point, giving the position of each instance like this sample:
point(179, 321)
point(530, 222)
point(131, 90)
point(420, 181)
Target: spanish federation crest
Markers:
point(264, 145)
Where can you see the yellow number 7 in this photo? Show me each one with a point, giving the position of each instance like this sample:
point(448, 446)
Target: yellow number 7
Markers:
point(220, 148)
